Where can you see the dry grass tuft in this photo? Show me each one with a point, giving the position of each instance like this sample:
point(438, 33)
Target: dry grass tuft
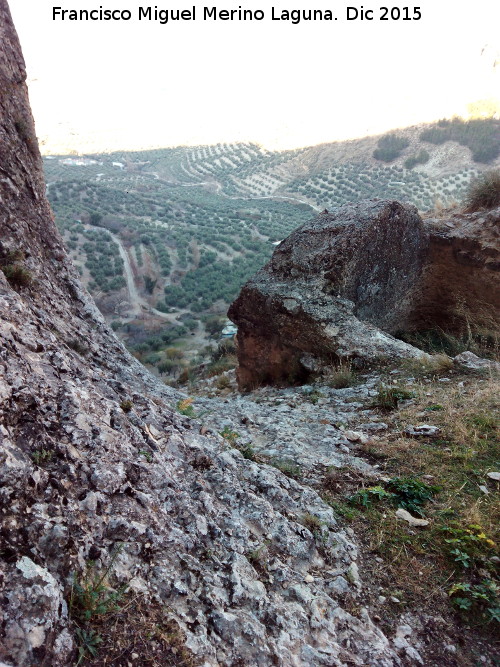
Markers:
point(342, 376)
point(484, 192)
point(433, 365)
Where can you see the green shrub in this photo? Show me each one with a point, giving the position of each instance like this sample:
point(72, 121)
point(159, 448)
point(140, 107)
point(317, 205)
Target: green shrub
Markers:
point(41, 456)
point(482, 136)
point(483, 599)
point(410, 493)
point(174, 353)
point(420, 158)
point(228, 434)
point(88, 644)
point(365, 497)
point(92, 596)
point(167, 366)
point(17, 275)
point(406, 492)
point(184, 407)
point(390, 147)
point(248, 451)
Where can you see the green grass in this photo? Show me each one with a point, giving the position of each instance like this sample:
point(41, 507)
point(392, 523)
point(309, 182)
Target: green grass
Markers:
point(389, 397)
point(454, 552)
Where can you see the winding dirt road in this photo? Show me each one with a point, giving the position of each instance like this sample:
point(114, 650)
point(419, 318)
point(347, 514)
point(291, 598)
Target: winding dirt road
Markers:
point(138, 305)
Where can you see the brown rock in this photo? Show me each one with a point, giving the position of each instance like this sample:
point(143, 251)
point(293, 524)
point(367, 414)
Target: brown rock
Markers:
point(327, 288)
point(460, 287)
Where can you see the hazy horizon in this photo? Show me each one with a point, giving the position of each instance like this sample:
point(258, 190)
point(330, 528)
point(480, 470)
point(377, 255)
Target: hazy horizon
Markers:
point(99, 87)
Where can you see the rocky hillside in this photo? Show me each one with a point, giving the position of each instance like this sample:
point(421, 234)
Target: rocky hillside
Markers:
point(135, 533)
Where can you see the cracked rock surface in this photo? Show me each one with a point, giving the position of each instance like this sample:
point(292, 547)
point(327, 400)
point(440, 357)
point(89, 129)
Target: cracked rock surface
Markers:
point(173, 514)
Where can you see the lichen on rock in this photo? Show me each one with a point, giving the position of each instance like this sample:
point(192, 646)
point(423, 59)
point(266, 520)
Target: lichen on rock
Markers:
point(84, 484)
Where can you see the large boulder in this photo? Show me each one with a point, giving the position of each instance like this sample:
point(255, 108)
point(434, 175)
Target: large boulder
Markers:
point(335, 288)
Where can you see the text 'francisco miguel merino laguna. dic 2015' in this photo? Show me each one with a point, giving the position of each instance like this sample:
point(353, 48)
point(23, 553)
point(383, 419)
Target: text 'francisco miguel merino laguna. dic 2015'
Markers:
point(295, 16)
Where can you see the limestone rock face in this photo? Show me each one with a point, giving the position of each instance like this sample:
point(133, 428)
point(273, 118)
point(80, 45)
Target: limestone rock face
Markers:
point(329, 290)
point(173, 514)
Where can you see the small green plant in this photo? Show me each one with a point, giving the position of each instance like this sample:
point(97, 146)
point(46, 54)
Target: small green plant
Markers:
point(185, 407)
point(147, 455)
point(126, 405)
point(42, 456)
point(92, 596)
point(288, 468)
point(419, 158)
point(469, 546)
point(88, 644)
point(410, 493)
point(17, 275)
point(390, 146)
point(388, 398)
point(406, 492)
point(248, 452)
point(365, 497)
point(228, 434)
point(482, 598)
point(314, 396)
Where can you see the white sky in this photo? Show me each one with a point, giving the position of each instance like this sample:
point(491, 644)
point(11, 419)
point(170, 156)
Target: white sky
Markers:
point(126, 85)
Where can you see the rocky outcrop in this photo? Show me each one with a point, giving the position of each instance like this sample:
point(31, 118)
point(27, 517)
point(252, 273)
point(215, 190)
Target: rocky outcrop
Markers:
point(97, 465)
point(335, 288)
point(341, 284)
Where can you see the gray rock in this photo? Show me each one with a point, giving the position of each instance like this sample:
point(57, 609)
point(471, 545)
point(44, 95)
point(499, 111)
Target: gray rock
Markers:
point(422, 430)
